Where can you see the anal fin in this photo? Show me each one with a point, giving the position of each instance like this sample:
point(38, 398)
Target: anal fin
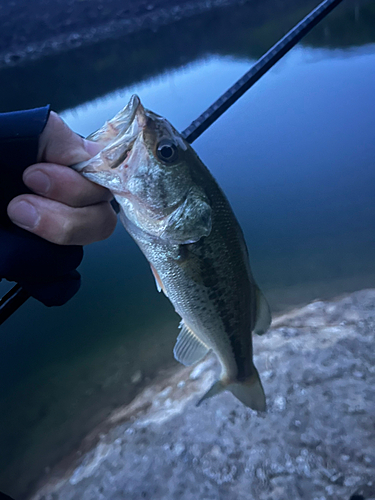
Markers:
point(189, 348)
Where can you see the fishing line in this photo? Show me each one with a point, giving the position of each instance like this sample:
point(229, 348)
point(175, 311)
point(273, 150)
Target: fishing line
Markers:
point(17, 296)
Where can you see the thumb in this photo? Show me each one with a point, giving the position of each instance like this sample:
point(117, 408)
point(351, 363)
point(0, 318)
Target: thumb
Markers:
point(59, 144)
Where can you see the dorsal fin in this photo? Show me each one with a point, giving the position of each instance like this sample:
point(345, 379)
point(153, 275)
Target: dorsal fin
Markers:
point(189, 348)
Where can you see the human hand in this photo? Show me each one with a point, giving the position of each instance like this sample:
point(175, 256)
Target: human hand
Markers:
point(66, 208)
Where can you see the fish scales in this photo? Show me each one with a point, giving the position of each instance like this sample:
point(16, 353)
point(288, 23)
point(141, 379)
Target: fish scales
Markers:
point(215, 286)
point(181, 220)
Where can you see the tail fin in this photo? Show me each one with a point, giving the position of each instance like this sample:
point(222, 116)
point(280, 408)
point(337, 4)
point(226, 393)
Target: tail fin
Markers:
point(217, 388)
point(250, 392)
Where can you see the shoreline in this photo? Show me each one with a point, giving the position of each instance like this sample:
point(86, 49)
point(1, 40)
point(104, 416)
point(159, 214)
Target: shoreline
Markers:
point(174, 394)
point(84, 413)
point(31, 32)
point(151, 19)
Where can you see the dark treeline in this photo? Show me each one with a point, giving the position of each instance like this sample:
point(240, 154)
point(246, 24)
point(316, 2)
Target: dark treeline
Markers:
point(69, 78)
point(30, 21)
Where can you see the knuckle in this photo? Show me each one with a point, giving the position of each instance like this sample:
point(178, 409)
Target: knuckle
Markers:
point(109, 221)
point(80, 226)
point(67, 234)
point(104, 193)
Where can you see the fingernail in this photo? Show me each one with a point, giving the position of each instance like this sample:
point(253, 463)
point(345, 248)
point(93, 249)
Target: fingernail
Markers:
point(92, 148)
point(37, 181)
point(23, 214)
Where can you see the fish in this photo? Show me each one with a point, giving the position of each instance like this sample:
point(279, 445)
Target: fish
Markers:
point(174, 209)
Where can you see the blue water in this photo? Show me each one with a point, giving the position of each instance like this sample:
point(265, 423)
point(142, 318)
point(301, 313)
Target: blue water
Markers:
point(295, 157)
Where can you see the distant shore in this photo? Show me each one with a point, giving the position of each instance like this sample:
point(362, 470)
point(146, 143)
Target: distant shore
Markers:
point(65, 25)
point(30, 30)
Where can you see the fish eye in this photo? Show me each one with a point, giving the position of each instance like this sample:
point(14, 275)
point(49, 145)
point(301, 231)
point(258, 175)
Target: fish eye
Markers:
point(167, 151)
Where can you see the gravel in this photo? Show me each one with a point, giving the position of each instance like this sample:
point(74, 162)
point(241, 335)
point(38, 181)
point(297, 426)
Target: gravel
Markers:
point(316, 441)
point(38, 28)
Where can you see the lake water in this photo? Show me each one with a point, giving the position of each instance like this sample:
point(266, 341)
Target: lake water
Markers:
point(295, 157)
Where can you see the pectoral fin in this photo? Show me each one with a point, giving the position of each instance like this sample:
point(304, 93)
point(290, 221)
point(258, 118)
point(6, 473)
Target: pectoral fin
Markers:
point(158, 281)
point(189, 348)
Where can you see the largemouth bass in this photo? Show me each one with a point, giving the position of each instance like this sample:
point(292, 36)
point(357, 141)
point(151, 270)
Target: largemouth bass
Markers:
point(181, 220)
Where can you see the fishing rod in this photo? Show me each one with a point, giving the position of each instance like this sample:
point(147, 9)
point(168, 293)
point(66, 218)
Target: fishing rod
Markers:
point(11, 301)
point(17, 295)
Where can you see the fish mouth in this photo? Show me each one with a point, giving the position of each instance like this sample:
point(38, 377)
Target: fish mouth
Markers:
point(119, 124)
point(117, 136)
point(133, 112)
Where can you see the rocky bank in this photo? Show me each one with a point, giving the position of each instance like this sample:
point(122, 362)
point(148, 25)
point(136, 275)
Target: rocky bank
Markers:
point(31, 30)
point(316, 442)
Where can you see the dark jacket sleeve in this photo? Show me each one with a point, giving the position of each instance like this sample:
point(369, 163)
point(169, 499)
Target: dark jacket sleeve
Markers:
point(3, 496)
point(45, 270)
point(19, 136)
